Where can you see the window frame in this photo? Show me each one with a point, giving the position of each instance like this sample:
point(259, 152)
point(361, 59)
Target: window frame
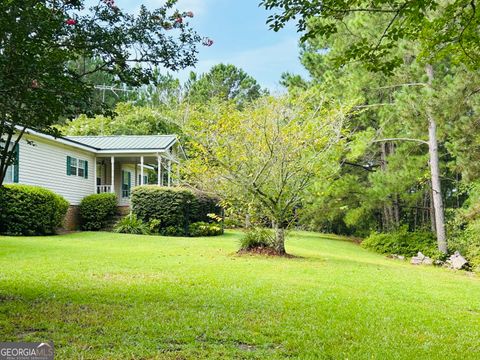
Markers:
point(77, 167)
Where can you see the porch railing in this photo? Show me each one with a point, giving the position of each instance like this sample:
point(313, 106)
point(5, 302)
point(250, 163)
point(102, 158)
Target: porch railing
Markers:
point(104, 189)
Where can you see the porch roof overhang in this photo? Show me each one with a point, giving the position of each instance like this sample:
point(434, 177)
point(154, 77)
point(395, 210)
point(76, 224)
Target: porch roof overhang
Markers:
point(119, 145)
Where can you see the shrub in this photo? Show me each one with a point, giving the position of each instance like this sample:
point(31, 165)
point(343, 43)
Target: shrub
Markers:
point(173, 231)
point(154, 226)
point(174, 208)
point(467, 242)
point(203, 207)
point(204, 229)
point(257, 238)
point(30, 210)
point(402, 242)
point(97, 210)
point(130, 224)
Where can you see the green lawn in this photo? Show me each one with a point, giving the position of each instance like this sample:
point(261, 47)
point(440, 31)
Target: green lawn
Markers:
point(113, 296)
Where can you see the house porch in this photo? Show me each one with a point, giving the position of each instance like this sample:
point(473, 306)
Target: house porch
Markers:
point(119, 173)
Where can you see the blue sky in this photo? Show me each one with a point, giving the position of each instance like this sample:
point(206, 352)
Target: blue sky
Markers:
point(241, 38)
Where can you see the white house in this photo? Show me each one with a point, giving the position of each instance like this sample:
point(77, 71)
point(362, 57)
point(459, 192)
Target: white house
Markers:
point(77, 166)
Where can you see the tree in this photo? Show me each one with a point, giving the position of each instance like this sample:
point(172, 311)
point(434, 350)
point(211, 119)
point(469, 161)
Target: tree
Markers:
point(267, 155)
point(42, 43)
point(380, 30)
point(441, 28)
point(129, 119)
point(226, 82)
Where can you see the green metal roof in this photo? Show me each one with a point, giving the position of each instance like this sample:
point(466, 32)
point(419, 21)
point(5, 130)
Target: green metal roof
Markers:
point(126, 142)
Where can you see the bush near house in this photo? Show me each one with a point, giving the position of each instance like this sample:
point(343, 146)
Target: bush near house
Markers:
point(402, 242)
point(97, 210)
point(173, 209)
point(30, 210)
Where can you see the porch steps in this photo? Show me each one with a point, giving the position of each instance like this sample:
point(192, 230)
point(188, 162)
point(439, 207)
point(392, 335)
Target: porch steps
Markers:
point(112, 222)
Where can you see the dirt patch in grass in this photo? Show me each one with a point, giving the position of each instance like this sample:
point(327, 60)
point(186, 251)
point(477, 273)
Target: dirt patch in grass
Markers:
point(266, 251)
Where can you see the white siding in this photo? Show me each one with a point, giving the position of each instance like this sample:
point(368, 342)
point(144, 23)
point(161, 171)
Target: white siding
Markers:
point(45, 164)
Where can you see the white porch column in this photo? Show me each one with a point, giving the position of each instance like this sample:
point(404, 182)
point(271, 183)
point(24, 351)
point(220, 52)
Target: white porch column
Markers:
point(141, 171)
point(95, 175)
point(178, 174)
point(159, 170)
point(112, 162)
point(169, 172)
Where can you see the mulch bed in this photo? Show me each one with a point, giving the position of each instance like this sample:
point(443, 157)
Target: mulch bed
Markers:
point(264, 251)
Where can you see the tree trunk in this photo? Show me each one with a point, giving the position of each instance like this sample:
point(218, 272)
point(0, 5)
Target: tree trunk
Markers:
point(279, 238)
point(432, 210)
point(435, 173)
point(248, 224)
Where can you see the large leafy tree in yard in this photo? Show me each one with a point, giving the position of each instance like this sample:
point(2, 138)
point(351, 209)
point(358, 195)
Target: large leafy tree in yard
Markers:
point(43, 44)
point(267, 155)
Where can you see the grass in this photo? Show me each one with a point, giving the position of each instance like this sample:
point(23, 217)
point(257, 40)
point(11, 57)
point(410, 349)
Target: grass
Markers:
point(116, 296)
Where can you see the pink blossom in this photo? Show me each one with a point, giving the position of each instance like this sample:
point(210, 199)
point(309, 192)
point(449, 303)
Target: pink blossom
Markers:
point(179, 20)
point(207, 42)
point(189, 14)
point(71, 21)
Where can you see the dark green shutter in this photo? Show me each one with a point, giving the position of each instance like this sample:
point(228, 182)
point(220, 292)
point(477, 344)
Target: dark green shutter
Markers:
point(69, 164)
point(129, 182)
point(122, 185)
point(16, 164)
point(86, 169)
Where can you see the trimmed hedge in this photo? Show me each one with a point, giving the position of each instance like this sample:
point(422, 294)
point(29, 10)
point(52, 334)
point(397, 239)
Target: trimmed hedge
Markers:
point(403, 242)
point(97, 210)
point(174, 209)
point(30, 210)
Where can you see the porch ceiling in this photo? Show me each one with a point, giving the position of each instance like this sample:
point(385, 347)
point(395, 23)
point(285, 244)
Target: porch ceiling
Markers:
point(129, 159)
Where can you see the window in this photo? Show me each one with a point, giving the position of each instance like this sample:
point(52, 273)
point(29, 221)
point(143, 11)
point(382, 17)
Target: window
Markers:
point(77, 167)
point(145, 179)
point(73, 166)
point(81, 168)
point(9, 174)
point(12, 171)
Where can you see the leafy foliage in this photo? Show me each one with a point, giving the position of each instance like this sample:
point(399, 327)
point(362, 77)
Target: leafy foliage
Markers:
point(464, 228)
point(257, 238)
point(173, 209)
point(441, 28)
point(44, 45)
point(130, 224)
point(202, 228)
point(30, 210)
point(128, 120)
point(266, 155)
point(224, 82)
point(97, 210)
point(402, 242)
